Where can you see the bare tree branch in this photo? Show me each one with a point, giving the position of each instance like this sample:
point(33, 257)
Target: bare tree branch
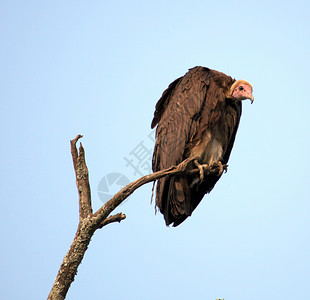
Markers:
point(85, 230)
point(119, 197)
point(89, 222)
point(82, 182)
point(115, 218)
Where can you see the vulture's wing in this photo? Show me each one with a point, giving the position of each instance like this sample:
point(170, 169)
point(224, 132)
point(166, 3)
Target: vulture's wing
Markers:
point(178, 114)
point(191, 105)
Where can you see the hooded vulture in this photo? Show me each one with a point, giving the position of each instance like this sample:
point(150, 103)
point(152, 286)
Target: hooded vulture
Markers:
point(197, 115)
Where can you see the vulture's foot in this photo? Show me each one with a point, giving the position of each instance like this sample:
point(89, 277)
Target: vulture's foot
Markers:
point(200, 167)
point(221, 168)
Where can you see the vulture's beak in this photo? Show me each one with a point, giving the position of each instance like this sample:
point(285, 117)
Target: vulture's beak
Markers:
point(252, 99)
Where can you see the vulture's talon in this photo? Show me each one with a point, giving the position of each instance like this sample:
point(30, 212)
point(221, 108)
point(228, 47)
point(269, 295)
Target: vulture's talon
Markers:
point(221, 168)
point(200, 167)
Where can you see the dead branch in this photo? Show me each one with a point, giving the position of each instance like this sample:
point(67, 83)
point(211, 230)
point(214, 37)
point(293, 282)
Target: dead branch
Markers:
point(116, 218)
point(89, 222)
point(82, 181)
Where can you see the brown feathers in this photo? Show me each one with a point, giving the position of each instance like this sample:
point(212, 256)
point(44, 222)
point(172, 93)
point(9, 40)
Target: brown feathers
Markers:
point(194, 117)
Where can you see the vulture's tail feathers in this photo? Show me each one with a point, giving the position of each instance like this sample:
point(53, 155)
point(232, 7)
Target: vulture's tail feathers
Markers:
point(177, 198)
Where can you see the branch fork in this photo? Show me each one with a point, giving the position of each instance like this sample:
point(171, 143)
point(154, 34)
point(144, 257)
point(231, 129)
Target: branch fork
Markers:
point(89, 222)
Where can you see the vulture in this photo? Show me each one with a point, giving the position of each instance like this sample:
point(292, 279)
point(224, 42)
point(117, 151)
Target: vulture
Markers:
point(197, 116)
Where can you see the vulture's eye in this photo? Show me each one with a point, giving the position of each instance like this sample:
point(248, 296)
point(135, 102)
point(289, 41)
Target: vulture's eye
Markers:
point(240, 88)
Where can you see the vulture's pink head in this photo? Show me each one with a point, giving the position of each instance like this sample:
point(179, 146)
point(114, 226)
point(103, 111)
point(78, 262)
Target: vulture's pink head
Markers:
point(241, 90)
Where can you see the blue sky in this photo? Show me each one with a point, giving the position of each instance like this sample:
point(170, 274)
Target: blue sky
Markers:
point(97, 69)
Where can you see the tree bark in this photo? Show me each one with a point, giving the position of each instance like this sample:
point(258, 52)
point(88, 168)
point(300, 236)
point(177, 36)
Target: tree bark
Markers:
point(89, 222)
